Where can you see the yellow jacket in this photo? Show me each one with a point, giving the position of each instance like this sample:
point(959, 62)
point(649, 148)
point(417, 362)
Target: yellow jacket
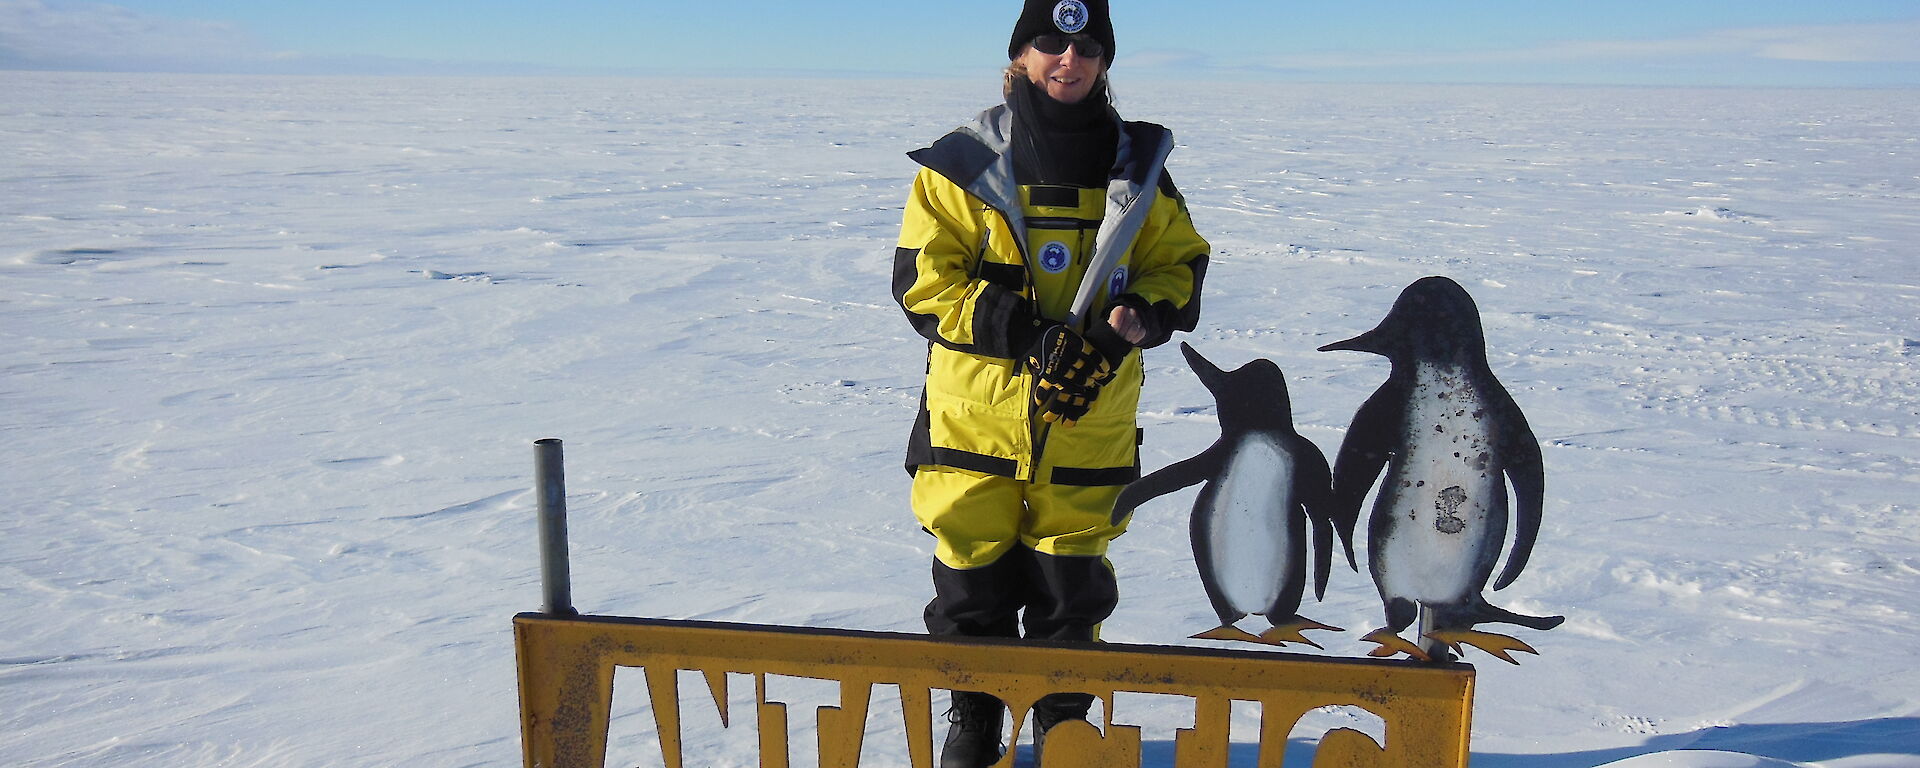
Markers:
point(983, 264)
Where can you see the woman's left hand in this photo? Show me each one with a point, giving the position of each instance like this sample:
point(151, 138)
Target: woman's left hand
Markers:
point(1126, 322)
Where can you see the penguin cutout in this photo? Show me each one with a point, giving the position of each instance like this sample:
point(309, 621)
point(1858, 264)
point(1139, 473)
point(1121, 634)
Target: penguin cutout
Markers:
point(1263, 483)
point(1450, 439)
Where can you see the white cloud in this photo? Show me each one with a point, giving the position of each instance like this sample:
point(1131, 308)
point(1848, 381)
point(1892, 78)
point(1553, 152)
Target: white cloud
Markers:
point(1889, 42)
point(62, 35)
point(1162, 58)
point(37, 33)
point(1892, 42)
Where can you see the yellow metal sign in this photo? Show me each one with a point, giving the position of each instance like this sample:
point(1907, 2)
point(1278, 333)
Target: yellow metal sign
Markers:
point(567, 667)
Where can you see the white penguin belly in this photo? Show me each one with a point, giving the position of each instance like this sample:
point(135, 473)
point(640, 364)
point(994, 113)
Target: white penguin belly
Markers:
point(1443, 494)
point(1247, 535)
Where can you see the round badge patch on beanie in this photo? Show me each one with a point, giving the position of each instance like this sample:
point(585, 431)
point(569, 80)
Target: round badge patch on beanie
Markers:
point(1070, 16)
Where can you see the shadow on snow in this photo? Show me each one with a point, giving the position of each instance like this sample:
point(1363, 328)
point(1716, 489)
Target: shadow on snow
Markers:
point(1794, 742)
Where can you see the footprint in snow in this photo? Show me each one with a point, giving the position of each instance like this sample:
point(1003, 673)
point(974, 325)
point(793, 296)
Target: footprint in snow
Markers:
point(464, 277)
point(359, 462)
point(61, 257)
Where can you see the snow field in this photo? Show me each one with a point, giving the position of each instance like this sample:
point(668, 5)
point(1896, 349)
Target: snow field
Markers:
point(276, 349)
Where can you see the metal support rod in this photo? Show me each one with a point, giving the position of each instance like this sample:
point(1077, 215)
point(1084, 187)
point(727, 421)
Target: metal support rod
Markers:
point(550, 486)
point(1435, 649)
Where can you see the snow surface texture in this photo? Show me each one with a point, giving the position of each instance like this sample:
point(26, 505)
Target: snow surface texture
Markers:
point(275, 351)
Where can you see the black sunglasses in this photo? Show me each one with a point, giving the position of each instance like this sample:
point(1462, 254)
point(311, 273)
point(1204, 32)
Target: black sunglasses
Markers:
point(1054, 45)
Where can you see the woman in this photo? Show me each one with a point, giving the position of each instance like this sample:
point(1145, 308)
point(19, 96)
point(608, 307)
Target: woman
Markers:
point(1026, 431)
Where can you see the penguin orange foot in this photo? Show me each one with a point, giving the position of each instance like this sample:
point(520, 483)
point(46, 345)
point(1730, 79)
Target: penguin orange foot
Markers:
point(1493, 643)
point(1228, 632)
point(1291, 632)
point(1391, 644)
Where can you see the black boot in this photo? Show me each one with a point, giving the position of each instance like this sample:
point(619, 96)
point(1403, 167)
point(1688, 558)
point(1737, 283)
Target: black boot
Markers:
point(1054, 709)
point(973, 741)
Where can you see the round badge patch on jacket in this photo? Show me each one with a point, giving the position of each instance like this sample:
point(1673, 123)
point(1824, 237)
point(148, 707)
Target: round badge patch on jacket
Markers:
point(1055, 256)
point(1070, 16)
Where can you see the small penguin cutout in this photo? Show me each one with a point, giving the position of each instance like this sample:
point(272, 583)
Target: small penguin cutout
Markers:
point(1264, 483)
point(1451, 439)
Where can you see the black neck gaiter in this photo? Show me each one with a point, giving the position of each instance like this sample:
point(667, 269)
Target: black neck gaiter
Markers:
point(1061, 144)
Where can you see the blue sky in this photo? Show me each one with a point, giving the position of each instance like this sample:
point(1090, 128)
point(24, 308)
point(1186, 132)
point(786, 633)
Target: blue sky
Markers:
point(1672, 42)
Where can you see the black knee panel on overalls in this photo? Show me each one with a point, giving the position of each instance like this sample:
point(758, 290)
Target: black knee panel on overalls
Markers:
point(1068, 596)
point(979, 602)
point(1065, 597)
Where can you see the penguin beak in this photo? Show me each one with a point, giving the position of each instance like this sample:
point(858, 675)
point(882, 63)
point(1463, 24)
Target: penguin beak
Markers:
point(1210, 374)
point(1365, 342)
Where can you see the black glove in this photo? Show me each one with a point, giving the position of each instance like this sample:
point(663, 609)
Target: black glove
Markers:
point(1070, 368)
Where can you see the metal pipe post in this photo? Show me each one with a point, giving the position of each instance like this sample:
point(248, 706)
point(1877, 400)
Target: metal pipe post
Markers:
point(550, 486)
point(1435, 649)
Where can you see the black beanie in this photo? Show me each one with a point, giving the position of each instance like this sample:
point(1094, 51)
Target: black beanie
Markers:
point(1046, 17)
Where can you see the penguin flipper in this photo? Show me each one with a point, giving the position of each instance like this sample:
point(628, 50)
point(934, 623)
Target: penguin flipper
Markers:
point(1494, 643)
point(1322, 556)
point(1369, 442)
point(1314, 488)
point(1291, 631)
point(1527, 473)
point(1165, 480)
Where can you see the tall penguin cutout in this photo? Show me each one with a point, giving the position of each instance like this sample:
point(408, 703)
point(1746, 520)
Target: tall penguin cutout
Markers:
point(1264, 482)
point(1451, 439)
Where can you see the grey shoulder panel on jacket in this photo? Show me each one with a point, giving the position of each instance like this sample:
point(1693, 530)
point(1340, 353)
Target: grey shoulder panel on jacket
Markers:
point(967, 152)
